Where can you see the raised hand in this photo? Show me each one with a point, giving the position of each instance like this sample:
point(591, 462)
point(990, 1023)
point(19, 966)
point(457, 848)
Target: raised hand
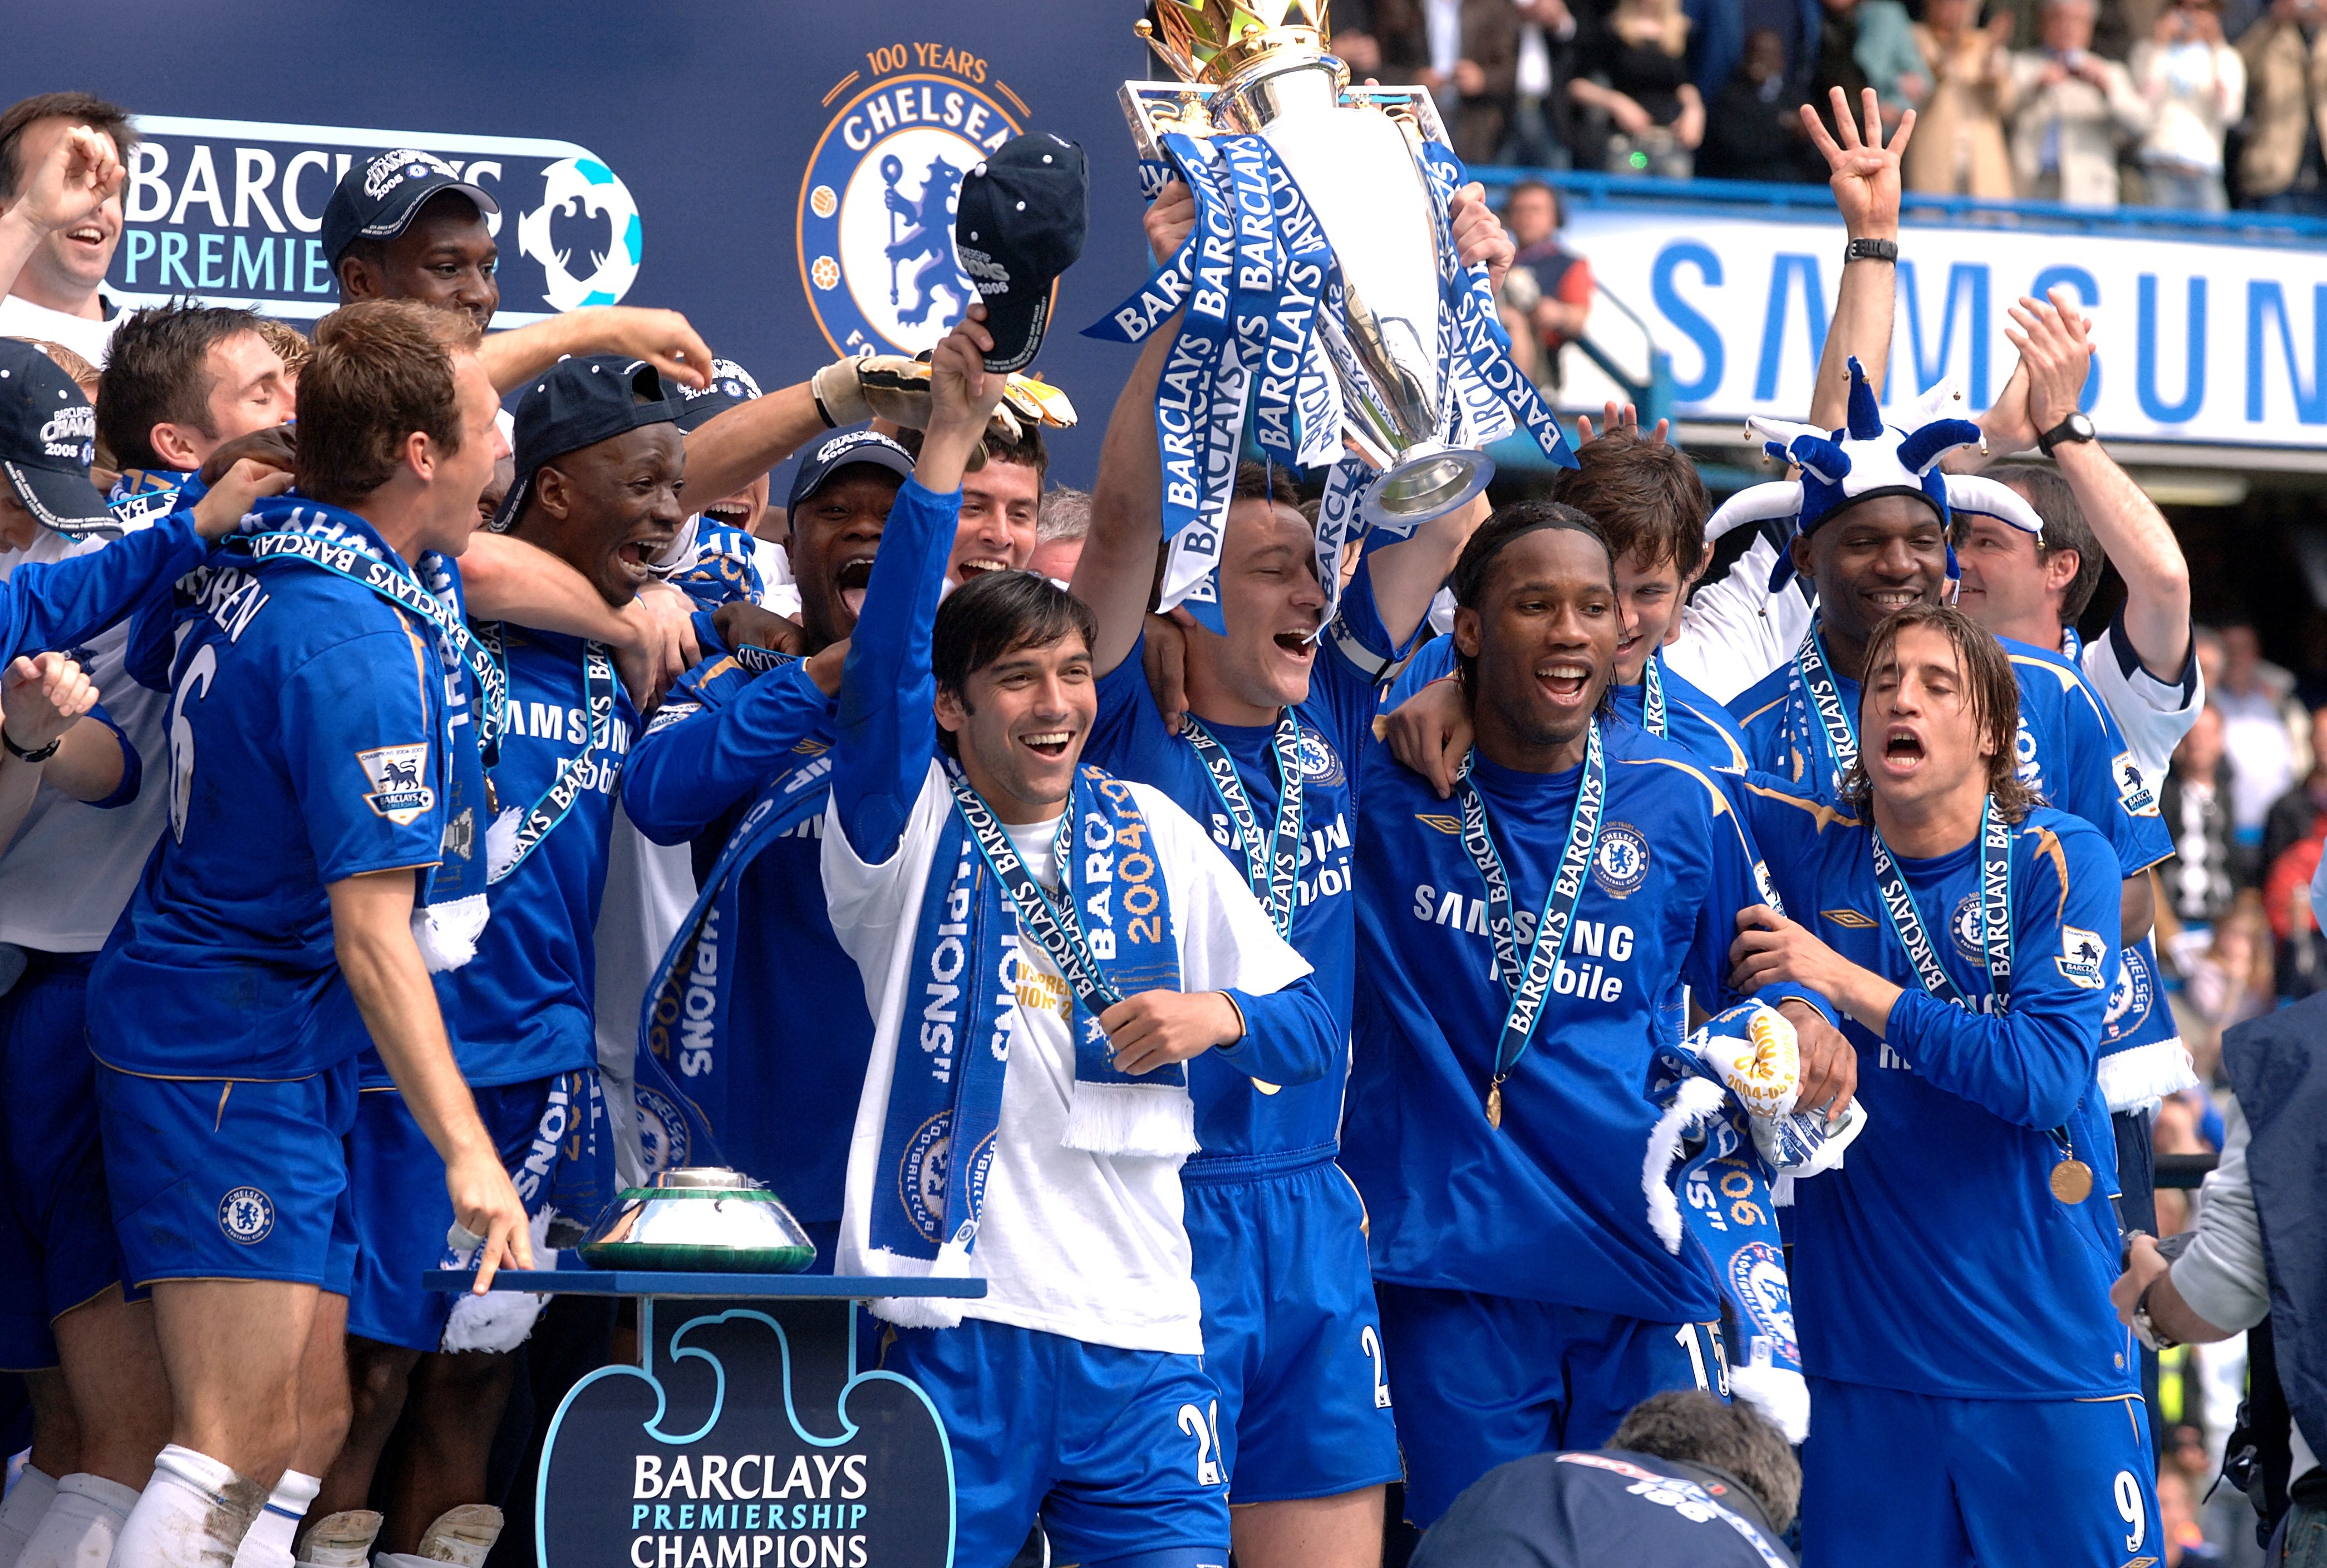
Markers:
point(80, 174)
point(1479, 234)
point(235, 494)
point(1169, 218)
point(42, 698)
point(663, 339)
point(1864, 171)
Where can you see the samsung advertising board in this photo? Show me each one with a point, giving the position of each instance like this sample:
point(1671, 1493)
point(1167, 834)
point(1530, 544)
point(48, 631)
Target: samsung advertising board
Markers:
point(2198, 342)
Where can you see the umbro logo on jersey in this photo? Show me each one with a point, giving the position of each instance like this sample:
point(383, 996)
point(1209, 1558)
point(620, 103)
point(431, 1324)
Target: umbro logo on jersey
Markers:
point(1450, 826)
point(1848, 919)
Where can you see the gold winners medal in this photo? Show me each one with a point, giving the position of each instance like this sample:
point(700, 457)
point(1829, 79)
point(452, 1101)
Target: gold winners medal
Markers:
point(2072, 1180)
point(1495, 1104)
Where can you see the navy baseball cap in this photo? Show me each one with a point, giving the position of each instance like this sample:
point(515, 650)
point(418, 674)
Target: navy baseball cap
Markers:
point(48, 439)
point(579, 402)
point(376, 200)
point(1018, 224)
point(844, 450)
point(731, 386)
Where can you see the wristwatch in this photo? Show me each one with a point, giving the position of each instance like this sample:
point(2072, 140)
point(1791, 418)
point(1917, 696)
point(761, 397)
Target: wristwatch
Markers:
point(21, 755)
point(2144, 1329)
point(1870, 250)
point(2075, 427)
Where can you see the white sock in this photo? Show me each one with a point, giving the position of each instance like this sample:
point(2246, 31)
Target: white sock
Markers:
point(21, 1510)
point(268, 1544)
point(192, 1514)
point(81, 1525)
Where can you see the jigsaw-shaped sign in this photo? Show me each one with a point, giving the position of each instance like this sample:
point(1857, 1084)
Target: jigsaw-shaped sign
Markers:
point(746, 1440)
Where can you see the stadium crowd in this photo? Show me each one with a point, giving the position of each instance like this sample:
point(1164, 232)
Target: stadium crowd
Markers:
point(1393, 964)
point(2197, 106)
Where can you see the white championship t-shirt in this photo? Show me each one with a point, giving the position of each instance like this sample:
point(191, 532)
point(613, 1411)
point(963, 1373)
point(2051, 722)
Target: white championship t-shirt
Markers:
point(2154, 714)
point(73, 867)
point(1089, 1247)
point(89, 337)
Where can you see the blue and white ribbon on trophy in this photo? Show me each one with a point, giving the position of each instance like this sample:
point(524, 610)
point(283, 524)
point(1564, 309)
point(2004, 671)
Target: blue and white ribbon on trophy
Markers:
point(1265, 337)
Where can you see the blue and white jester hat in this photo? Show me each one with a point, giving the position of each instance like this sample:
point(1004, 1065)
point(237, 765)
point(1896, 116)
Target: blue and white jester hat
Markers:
point(1867, 458)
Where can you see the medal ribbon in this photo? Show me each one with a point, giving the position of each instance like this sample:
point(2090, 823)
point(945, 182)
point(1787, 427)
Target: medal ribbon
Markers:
point(1995, 924)
point(1275, 879)
point(1653, 697)
point(1529, 986)
point(329, 545)
point(1995, 911)
point(545, 812)
point(1835, 727)
point(1056, 929)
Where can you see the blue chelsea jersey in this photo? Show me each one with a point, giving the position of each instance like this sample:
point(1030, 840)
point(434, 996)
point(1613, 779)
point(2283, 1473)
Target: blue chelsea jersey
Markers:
point(309, 724)
point(1937, 1260)
point(1234, 1115)
point(521, 1009)
point(1548, 1206)
point(2068, 749)
point(789, 1070)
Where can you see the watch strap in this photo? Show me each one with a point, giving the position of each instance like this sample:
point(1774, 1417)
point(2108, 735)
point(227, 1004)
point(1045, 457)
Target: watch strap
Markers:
point(2075, 427)
point(41, 754)
point(1870, 250)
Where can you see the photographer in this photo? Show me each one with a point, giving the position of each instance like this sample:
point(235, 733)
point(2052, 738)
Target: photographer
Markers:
point(2257, 1253)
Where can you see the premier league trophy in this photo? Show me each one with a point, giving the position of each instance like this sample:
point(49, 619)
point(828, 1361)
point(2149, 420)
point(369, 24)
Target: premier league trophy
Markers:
point(1323, 292)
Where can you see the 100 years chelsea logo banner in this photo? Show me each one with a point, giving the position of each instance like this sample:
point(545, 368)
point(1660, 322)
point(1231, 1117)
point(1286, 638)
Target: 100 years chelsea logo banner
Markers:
point(232, 212)
point(876, 204)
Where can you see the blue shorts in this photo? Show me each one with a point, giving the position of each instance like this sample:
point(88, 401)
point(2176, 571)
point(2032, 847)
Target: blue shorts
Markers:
point(230, 1178)
point(1486, 1379)
point(1915, 1480)
point(1114, 1447)
point(57, 1249)
point(1291, 1332)
point(555, 1143)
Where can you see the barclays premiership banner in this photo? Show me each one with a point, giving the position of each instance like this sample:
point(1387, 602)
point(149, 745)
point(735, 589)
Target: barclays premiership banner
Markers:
point(2198, 340)
point(783, 173)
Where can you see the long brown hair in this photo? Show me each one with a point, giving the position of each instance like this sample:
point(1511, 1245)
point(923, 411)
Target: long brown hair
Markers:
point(1993, 691)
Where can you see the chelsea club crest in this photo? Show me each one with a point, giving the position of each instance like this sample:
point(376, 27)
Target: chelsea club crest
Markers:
point(1622, 863)
point(876, 208)
point(1965, 926)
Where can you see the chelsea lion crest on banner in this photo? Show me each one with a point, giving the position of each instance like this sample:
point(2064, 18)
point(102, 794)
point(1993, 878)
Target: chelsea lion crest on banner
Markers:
point(876, 208)
point(1758, 1276)
point(1622, 863)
